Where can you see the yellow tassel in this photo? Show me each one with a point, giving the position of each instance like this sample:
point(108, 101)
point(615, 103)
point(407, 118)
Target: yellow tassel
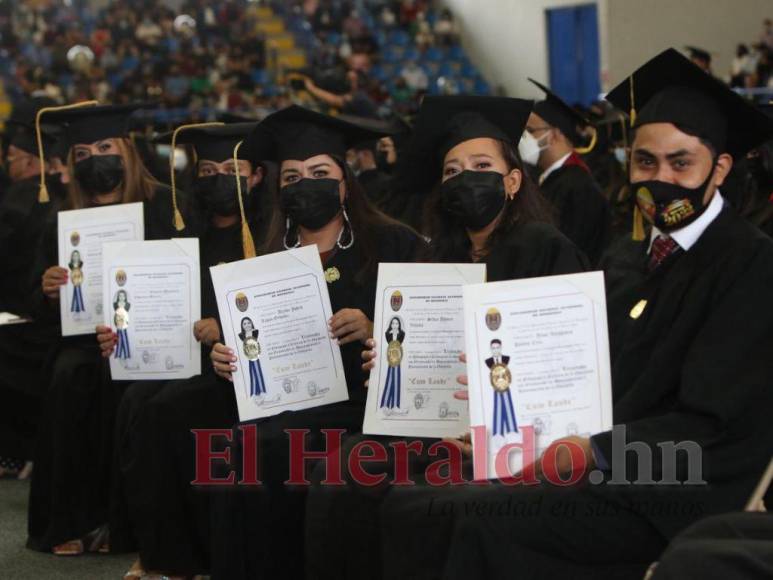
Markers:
point(248, 244)
point(591, 145)
point(638, 233)
point(633, 106)
point(179, 223)
point(43, 196)
point(43, 192)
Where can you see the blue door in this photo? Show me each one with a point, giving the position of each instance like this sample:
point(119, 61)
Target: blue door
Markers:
point(573, 49)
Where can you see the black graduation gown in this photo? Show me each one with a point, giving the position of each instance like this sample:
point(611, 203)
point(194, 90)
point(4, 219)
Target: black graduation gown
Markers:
point(378, 186)
point(695, 366)
point(343, 524)
point(736, 545)
point(70, 487)
point(23, 347)
point(153, 507)
point(258, 532)
point(583, 212)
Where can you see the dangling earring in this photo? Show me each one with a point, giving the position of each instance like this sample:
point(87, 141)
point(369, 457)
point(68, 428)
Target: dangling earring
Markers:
point(287, 231)
point(343, 229)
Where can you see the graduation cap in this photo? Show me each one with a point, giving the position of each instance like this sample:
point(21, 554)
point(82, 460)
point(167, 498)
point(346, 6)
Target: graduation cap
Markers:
point(444, 122)
point(376, 126)
point(299, 133)
point(671, 89)
point(213, 141)
point(558, 114)
point(88, 125)
point(216, 142)
point(698, 53)
point(51, 116)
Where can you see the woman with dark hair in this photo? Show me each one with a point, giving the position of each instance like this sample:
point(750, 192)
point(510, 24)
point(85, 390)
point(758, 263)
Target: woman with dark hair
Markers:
point(390, 399)
point(154, 509)
point(69, 493)
point(258, 532)
point(251, 346)
point(121, 308)
point(76, 275)
point(484, 208)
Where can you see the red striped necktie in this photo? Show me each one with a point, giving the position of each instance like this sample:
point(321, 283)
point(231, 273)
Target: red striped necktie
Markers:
point(662, 247)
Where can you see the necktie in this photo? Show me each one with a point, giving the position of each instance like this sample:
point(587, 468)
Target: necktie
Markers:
point(662, 248)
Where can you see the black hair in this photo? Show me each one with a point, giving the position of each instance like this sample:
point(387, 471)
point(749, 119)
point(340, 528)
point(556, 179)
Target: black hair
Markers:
point(495, 341)
point(448, 238)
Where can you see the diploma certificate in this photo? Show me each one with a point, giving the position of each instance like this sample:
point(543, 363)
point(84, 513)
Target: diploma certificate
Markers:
point(81, 233)
point(152, 298)
point(537, 356)
point(275, 310)
point(419, 332)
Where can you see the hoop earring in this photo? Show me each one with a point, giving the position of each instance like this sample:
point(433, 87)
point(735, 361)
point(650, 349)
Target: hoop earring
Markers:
point(343, 229)
point(287, 231)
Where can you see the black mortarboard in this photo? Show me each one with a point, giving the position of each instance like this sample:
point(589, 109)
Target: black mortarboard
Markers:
point(378, 127)
point(444, 122)
point(24, 113)
point(90, 124)
point(213, 142)
point(23, 137)
point(671, 89)
point(299, 133)
point(559, 114)
point(699, 53)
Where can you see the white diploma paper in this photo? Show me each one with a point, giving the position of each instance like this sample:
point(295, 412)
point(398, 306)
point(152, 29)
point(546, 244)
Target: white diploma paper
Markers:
point(152, 298)
point(275, 310)
point(81, 233)
point(419, 332)
point(550, 369)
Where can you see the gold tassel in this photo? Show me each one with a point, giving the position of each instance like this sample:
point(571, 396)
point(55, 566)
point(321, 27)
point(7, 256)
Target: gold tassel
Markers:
point(591, 145)
point(632, 115)
point(179, 223)
point(43, 196)
point(248, 244)
point(638, 233)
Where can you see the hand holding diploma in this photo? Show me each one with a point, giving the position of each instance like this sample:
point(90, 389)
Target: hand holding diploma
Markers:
point(54, 278)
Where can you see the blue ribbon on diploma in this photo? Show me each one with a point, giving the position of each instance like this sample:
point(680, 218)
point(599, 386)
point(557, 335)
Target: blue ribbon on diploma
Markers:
point(122, 349)
point(257, 384)
point(391, 396)
point(504, 413)
point(77, 299)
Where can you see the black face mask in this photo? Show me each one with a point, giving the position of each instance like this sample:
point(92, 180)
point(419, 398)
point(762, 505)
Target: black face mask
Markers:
point(473, 198)
point(669, 206)
point(381, 162)
point(100, 174)
point(218, 193)
point(311, 203)
point(55, 187)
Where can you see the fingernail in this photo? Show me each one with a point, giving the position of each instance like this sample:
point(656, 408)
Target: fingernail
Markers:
point(233, 359)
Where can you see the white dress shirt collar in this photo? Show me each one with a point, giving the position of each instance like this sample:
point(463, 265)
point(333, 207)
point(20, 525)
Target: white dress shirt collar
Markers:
point(545, 174)
point(689, 234)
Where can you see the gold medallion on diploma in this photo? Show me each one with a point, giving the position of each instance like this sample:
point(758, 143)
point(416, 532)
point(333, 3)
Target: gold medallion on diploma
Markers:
point(638, 309)
point(251, 348)
point(500, 377)
point(394, 353)
point(332, 274)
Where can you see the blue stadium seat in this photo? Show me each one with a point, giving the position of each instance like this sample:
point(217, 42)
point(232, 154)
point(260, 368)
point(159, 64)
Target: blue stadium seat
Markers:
point(411, 53)
point(399, 38)
point(433, 53)
point(482, 87)
point(456, 52)
point(259, 76)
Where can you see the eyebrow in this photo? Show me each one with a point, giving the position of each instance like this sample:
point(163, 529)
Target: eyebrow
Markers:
point(669, 156)
point(290, 170)
point(319, 165)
